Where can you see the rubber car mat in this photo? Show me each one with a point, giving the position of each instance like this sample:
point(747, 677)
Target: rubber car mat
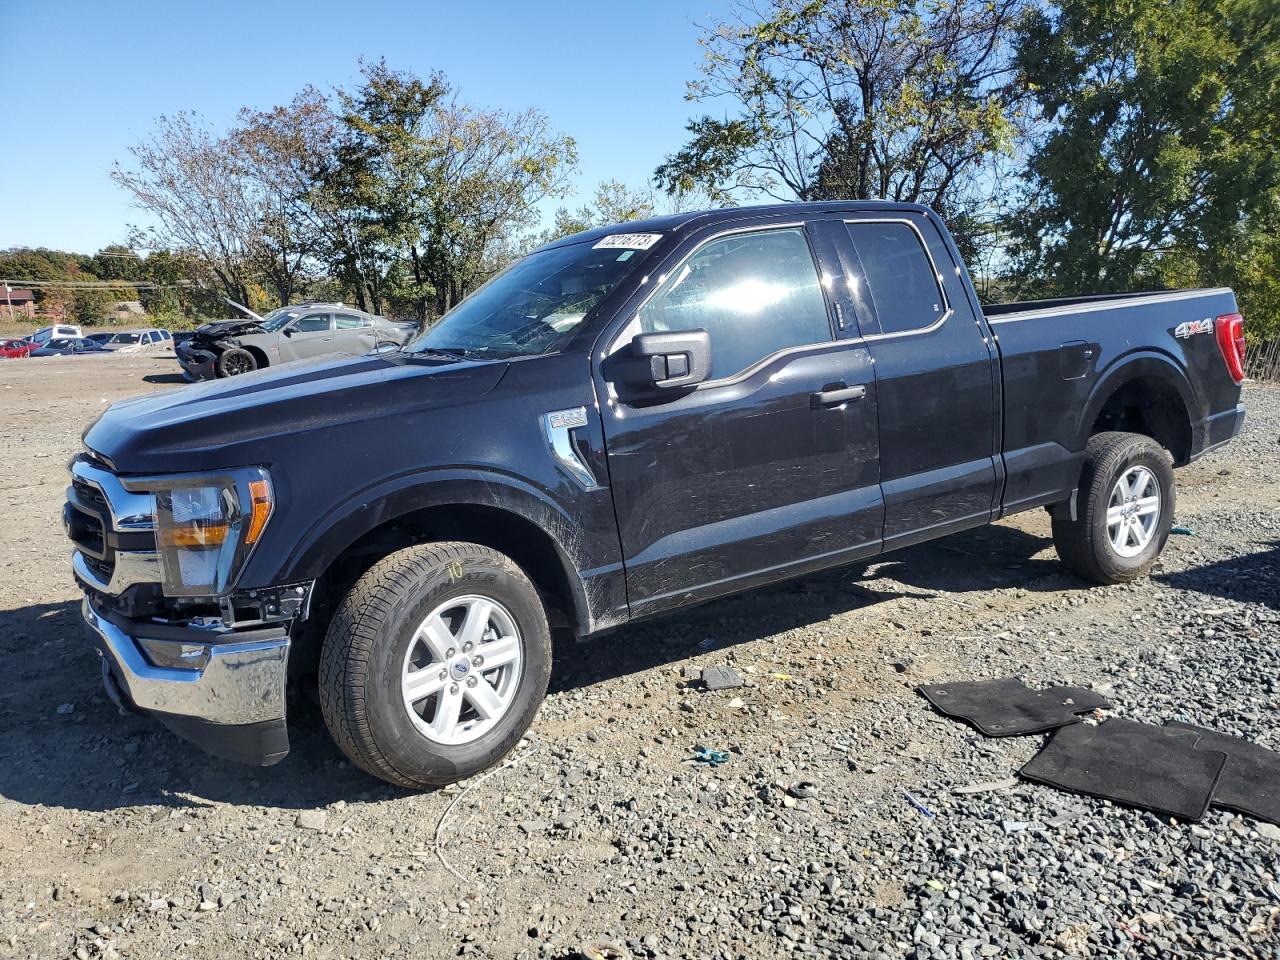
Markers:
point(1009, 708)
point(1250, 781)
point(1135, 764)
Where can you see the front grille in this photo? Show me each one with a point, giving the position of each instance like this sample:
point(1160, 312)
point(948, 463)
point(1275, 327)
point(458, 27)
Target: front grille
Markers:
point(89, 495)
point(102, 569)
point(108, 524)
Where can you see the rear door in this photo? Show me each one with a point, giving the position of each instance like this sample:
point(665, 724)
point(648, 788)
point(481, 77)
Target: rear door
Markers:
point(756, 473)
point(352, 333)
point(311, 335)
point(935, 373)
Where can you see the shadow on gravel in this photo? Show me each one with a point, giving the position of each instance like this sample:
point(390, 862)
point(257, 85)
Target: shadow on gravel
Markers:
point(66, 745)
point(987, 558)
point(1252, 578)
point(164, 378)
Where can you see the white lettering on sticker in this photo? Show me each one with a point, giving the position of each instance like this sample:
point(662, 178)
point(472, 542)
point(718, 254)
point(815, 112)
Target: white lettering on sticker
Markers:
point(627, 241)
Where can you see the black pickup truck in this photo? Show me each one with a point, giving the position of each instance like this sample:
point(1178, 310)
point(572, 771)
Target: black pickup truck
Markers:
point(626, 422)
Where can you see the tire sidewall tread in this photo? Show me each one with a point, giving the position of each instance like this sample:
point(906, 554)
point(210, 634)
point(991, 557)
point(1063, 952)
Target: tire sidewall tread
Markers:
point(1083, 544)
point(363, 654)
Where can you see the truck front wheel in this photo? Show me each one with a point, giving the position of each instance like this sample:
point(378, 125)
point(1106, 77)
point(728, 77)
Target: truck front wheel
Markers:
point(1124, 509)
point(435, 664)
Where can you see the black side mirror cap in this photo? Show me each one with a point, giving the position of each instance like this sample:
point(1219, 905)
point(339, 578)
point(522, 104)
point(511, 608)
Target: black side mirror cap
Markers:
point(665, 361)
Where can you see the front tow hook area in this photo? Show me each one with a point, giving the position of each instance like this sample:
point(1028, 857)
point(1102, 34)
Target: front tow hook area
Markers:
point(115, 691)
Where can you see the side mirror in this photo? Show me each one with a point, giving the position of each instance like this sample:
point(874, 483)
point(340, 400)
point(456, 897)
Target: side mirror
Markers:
point(287, 331)
point(665, 361)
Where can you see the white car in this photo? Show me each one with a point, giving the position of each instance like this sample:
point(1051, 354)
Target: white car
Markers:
point(133, 341)
point(45, 334)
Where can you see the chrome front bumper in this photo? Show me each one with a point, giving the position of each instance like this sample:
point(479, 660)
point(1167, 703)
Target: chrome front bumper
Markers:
point(239, 683)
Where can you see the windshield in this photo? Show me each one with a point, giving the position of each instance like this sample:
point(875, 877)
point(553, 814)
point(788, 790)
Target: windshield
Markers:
point(126, 338)
point(534, 306)
point(278, 317)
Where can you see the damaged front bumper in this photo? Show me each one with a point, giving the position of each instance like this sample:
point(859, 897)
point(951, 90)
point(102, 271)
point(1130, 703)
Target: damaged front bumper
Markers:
point(224, 692)
point(196, 363)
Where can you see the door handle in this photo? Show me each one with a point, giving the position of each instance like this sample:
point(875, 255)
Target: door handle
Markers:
point(836, 397)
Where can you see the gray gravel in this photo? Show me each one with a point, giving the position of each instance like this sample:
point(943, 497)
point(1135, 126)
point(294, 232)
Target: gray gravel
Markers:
point(116, 839)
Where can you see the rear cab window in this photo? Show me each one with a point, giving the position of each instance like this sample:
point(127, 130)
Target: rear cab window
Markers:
point(902, 284)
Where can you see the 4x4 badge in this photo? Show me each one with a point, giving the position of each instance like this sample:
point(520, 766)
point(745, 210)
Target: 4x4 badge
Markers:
point(1191, 327)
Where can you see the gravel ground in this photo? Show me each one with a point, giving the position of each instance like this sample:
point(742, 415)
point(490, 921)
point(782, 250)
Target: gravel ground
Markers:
point(118, 840)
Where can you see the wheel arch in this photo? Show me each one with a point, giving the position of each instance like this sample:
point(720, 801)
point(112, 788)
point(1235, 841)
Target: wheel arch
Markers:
point(503, 514)
point(1145, 393)
point(259, 355)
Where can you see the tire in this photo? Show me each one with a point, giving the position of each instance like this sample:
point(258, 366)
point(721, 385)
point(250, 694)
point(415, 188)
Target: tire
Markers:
point(376, 640)
point(1088, 545)
point(233, 362)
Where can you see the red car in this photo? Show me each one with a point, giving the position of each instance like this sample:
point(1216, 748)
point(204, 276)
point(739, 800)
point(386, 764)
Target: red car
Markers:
point(11, 349)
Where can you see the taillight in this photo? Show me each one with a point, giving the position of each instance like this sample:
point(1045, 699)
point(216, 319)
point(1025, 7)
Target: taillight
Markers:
point(1230, 330)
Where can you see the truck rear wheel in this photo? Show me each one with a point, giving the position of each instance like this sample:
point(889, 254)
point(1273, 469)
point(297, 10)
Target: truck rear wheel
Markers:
point(435, 664)
point(1124, 509)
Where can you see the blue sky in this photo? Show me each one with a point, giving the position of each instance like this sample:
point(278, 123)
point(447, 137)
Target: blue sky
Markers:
point(85, 80)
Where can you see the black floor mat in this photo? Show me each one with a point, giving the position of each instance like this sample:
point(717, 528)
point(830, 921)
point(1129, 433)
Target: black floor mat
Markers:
point(1153, 768)
point(1008, 708)
point(1250, 781)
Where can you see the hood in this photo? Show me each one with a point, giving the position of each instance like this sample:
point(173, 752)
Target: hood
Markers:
point(248, 419)
point(221, 329)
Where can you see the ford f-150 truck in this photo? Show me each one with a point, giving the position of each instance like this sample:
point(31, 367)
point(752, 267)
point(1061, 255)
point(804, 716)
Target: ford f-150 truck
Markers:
point(624, 423)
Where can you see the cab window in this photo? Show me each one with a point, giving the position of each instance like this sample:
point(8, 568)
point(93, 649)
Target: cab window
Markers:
point(755, 293)
point(312, 323)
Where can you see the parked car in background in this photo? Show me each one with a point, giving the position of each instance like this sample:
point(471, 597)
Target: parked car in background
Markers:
point(132, 341)
point(70, 347)
point(296, 332)
point(45, 334)
point(13, 349)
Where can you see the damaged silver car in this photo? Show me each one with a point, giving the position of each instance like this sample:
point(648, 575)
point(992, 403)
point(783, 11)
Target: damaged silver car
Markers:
point(227, 348)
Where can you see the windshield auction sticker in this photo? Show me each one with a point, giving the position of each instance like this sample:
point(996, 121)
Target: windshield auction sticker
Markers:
point(628, 241)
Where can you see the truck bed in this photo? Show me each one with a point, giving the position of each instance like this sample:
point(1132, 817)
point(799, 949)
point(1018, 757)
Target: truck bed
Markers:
point(1057, 386)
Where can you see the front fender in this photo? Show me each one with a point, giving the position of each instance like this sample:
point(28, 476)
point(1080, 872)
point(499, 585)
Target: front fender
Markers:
point(389, 499)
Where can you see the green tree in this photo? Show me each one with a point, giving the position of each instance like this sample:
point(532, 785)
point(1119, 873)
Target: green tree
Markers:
point(910, 101)
point(613, 202)
point(1159, 163)
point(440, 186)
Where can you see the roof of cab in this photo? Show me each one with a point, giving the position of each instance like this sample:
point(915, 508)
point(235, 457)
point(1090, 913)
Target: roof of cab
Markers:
point(675, 222)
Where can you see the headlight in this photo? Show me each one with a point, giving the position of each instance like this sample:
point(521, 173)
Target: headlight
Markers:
point(207, 526)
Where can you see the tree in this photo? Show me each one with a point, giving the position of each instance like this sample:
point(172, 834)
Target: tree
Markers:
point(1160, 159)
point(190, 181)
point(893, 99)
point(442, 186)
point(613, 202)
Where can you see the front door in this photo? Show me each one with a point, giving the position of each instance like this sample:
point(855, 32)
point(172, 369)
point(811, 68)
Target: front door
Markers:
point(769, 468)
point(308, 336)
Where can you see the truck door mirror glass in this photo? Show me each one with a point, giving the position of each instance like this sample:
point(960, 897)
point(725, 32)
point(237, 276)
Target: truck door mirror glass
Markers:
point(663, 361)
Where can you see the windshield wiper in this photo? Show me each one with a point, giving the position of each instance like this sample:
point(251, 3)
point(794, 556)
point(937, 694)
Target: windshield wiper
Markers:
point(457, 354)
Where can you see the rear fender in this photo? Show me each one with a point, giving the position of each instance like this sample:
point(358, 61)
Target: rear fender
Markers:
point(1130, 367)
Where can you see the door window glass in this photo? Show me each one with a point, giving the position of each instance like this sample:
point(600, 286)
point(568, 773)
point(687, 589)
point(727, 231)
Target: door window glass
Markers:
point(899, 275)
point(349, 321)
point(313, 323)
point(755, 293)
